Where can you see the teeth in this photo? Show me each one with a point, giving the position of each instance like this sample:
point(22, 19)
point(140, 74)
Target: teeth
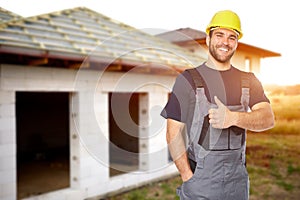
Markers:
point(223, 49)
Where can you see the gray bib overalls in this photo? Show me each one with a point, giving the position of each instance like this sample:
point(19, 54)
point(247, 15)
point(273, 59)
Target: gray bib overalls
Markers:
point(220, 172)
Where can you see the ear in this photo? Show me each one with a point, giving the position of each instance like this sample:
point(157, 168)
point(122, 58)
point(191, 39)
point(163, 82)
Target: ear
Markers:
point(207, 40)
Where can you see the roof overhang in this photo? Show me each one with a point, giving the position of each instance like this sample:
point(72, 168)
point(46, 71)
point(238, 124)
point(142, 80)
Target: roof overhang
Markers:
point(93, 62)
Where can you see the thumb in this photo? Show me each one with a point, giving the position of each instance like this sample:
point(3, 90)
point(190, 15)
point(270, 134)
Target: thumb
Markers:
point(218, 102)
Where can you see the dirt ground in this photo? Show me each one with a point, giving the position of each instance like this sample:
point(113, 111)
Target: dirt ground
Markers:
point(39, 177)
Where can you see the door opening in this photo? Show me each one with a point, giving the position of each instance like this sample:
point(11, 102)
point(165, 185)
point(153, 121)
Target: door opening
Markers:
point(42, 142)
point(123, 132)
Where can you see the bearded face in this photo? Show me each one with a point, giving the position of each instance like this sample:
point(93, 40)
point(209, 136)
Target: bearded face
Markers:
point(222, 44)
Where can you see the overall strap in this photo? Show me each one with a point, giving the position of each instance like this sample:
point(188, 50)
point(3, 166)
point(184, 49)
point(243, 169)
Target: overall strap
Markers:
point(245, 80)
point(197, 78)
point(245, 97)
point(196, 124)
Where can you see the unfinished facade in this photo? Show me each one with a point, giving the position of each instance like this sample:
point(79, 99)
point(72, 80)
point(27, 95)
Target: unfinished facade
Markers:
point(80, 101)
point(79, 107)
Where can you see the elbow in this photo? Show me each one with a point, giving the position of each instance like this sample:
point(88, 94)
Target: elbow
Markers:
point(271, 122)
point(268, 122)
point(269, 119)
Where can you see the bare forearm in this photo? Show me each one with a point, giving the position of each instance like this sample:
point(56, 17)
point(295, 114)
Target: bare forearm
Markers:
point(183, 167)
point(177, 148)
point(259, 119)
point(180, 158)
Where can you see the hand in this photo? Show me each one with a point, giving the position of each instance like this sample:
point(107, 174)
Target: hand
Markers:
point(220, 117)
point(187, 176)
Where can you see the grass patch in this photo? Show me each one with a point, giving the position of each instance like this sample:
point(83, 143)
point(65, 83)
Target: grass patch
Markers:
point(291, 169)
point(273, 156)
point(165, 190)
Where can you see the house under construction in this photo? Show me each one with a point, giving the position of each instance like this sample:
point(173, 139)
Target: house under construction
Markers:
point(80, 101)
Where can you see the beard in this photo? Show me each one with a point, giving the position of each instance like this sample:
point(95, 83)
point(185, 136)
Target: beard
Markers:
point(218, 57)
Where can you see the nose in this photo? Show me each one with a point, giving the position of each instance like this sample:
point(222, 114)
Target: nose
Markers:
point(225, 40)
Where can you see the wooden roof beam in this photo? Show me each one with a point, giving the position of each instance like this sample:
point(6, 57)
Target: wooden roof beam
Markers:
point(38, 61)
point(79, 65)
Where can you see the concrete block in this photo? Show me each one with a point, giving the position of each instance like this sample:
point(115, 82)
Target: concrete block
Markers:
point(7, 124)
point(38, 73)
point(13, 84)
point(7, 163)
point(13, 71)
point(8, 189)
point(7, 97)
point(90, 181)
point(7, 150)
point(64, 75)
point(8, 176)
point(8, 197)
point(75, 195)
point(7, 137)
point(7, 110)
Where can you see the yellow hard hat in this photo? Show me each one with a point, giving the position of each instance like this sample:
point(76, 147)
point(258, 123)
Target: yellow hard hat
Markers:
point(226, 19)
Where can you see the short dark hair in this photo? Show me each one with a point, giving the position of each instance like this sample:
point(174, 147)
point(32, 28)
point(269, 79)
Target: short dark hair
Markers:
point(213, 29)
point(211, 32)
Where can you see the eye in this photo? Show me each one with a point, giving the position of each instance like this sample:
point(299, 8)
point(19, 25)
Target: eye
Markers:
point(219, 35)
point(233, 38)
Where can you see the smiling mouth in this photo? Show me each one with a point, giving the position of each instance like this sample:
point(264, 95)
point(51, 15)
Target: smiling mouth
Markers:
point(224, 49)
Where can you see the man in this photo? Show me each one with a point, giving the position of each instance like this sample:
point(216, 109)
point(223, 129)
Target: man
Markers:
point(215, 103)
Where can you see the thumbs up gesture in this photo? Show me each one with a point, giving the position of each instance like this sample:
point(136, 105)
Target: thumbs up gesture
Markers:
point(220, 117)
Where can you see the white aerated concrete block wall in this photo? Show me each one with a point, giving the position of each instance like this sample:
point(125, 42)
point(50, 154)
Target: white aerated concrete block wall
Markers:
point(89, 134)
point(7, 146)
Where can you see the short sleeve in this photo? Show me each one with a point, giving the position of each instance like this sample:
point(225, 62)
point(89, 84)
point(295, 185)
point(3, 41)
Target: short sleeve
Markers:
point(257, 94)
point(181, 99)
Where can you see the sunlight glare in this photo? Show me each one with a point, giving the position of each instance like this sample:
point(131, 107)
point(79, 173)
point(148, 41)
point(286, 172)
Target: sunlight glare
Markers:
point(273, 72)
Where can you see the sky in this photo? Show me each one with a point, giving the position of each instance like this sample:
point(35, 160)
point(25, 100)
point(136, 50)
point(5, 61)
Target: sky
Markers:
point(267, 24)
